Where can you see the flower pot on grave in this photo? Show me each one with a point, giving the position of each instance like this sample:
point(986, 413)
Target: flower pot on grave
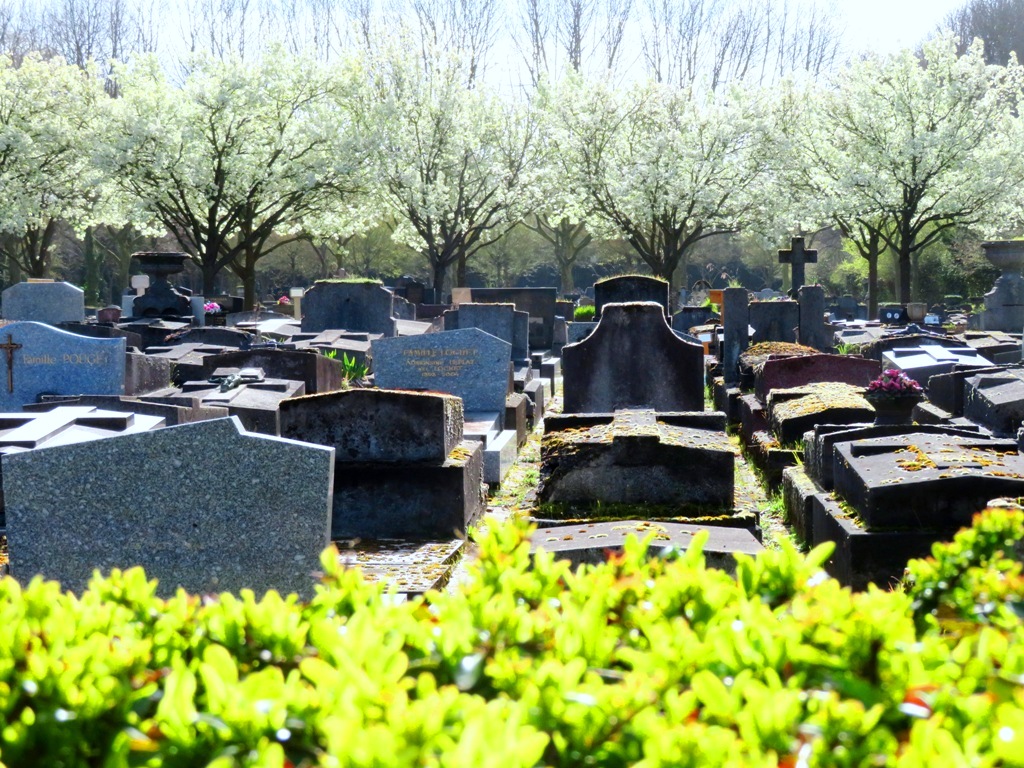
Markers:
point(717, 296)
point(893, 409)
point(916, 311)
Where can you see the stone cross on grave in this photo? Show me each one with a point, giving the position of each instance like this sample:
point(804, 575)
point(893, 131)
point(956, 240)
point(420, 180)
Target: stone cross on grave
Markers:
point(9, 347)
point(797, 256)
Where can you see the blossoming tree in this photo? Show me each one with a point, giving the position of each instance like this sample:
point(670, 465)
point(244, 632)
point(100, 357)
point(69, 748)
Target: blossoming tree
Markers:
point(900, 149)
point(661, 167)
point(454, 165)
point(49, 111)
point(239, 153)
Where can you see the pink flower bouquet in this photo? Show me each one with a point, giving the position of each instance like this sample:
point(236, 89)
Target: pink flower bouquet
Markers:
point(894, 383)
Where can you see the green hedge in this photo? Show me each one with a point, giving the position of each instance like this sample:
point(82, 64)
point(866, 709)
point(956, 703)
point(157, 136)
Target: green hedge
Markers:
point(637, 661)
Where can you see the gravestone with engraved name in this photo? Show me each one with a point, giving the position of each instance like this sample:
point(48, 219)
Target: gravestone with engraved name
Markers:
point(44, 302)
point(468, 362)
point(254, 513)
point(36, 359)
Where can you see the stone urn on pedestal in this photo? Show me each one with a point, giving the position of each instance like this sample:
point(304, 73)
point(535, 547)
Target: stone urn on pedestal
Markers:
point(1004, 304)
point(160, 299)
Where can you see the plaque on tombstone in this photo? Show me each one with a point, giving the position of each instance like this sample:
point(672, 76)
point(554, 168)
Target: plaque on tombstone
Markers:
point(467, 362)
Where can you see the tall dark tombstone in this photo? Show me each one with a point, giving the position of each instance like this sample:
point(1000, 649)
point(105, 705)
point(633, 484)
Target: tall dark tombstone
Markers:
point(796, 256)
point(813, 332)
point(735, 331)
point(633, 360)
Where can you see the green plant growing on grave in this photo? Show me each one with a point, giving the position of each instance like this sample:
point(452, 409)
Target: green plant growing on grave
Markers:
point(352, 369)
point(584, 313)
point(330, 354)
point(845, 348)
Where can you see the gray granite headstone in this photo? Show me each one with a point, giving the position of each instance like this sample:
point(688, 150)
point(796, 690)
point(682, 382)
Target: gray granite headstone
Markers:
point(633, 360)
point(36, 359)
point(501, 320)
point(813, 332)
point(467, 362)
point(205, 506)
point(350, 305)
point(49, 303)
point(538, 302)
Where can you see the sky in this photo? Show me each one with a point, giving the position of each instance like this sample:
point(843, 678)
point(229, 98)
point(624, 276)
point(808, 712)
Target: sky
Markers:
point(885, 26)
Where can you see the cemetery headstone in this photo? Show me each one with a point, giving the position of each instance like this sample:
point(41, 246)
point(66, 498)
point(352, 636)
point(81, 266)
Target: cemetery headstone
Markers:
point(813, 332)
point(633, 360)
point(996, 400)
point(893, 315)
point(538, 302)
point(50, 303)
point(786, 372)
point(217, 509)
point(774, 320)
point(402, 465)
point(735, 331)
point(468, 362)
point(361, 305)
point(37, 359)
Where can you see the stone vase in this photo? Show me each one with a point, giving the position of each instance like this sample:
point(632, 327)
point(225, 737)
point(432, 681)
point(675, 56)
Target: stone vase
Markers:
point(1004, 304)
point(893, 409)
point(916, 311)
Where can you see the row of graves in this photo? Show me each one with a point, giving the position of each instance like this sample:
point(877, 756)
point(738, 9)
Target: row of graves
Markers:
point(882, 476)
point(228, 457)
point(223, 457)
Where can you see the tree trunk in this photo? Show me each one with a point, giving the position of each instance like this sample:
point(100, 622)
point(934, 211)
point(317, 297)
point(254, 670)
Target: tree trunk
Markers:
point(440, 270)
point(904, 275)
point(872, 286)
point(209, 267)
point(566, 278)
point(93, 262)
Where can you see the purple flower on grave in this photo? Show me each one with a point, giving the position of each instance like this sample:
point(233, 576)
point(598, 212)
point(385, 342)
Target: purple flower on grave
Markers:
point(284, 300)
point(211, 306)
point(895, 383)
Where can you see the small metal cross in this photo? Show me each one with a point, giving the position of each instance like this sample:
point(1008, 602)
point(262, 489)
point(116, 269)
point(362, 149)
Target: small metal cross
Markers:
point(9, 348)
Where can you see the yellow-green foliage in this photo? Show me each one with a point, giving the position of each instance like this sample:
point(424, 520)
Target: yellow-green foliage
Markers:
point(653, 662)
